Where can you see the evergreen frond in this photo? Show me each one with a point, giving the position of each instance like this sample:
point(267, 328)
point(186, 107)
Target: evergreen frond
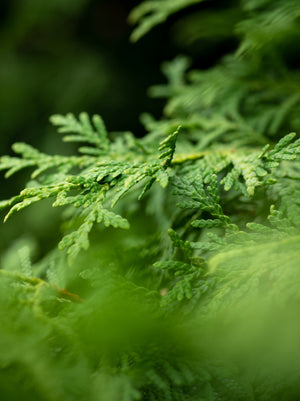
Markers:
point(198, 300)
point(83, 130)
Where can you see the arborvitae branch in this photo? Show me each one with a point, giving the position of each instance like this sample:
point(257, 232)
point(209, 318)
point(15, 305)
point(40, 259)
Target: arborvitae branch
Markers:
point(184, 304)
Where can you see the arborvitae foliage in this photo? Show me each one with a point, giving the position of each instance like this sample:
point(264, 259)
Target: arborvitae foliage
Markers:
point(198, 299)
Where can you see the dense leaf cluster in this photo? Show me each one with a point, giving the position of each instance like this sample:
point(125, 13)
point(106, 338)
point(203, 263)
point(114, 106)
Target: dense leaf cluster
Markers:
point(198, 299)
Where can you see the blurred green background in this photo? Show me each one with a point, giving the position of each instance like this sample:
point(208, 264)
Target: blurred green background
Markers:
point(71, 55)
point(60, 56)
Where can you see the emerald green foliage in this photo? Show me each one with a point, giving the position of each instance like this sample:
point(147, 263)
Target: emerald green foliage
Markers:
point(100, 181)
point(177, 275)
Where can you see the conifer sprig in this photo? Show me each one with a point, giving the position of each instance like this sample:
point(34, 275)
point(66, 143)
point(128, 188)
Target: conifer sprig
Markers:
point(83, 130)
point(99, 178)
point(104, 179)
point(185, 304)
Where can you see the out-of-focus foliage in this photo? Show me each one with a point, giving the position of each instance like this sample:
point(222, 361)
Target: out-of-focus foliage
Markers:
point(151, 13)
point(198, 299)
